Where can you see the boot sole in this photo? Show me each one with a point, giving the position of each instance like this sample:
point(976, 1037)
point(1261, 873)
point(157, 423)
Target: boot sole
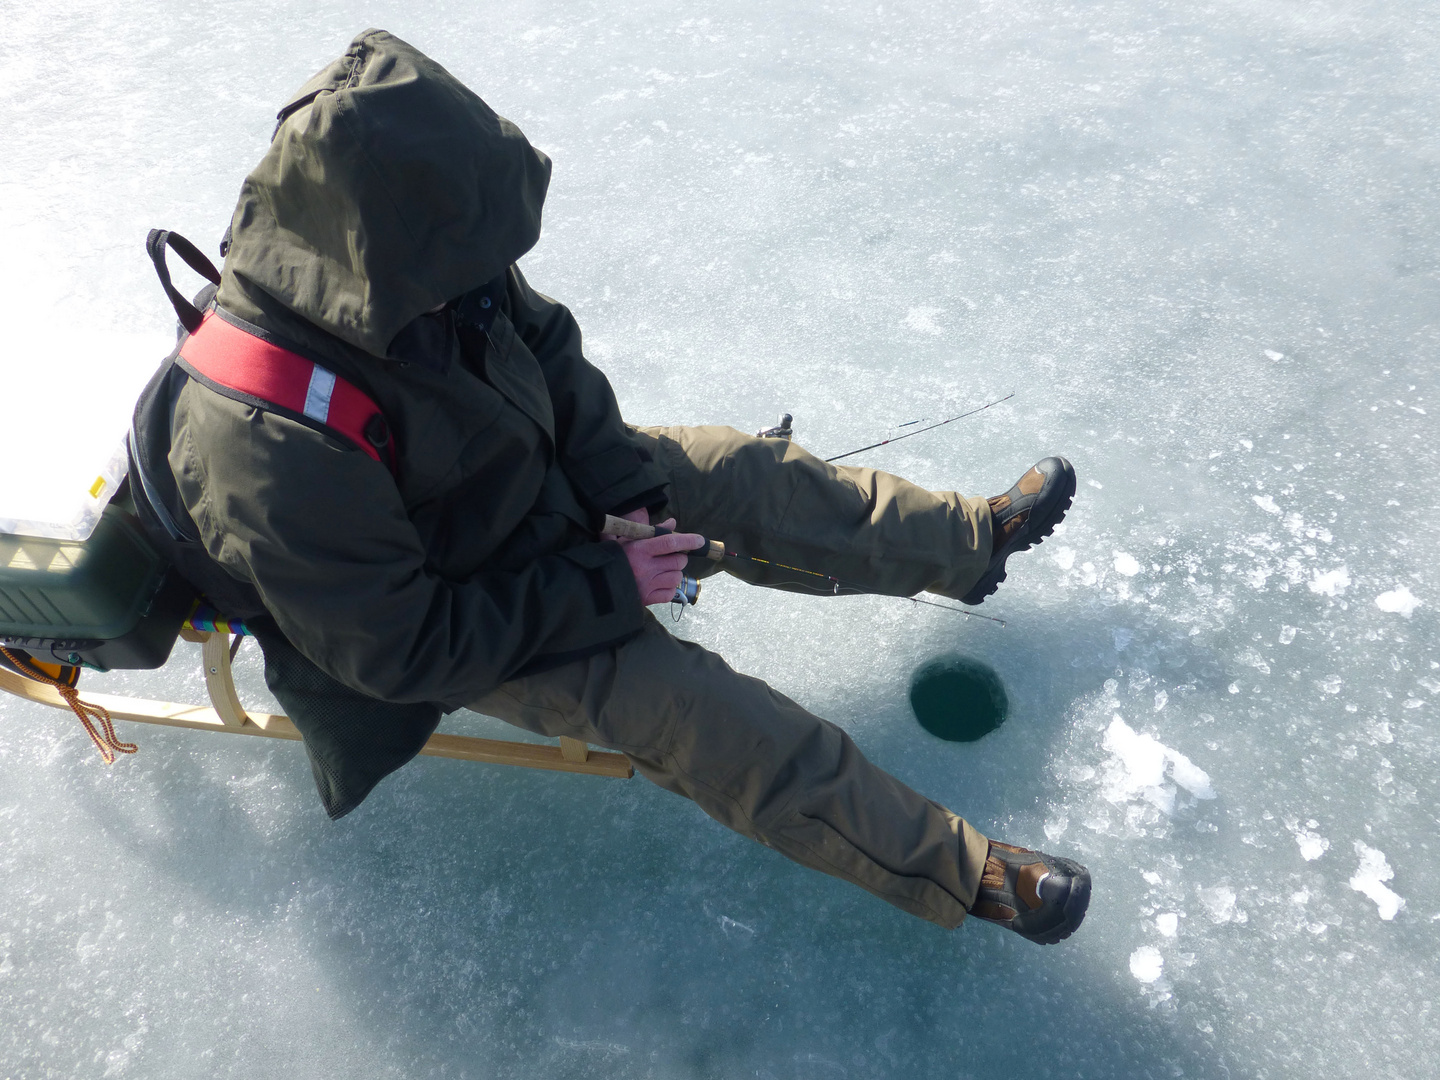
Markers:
point(991, 579)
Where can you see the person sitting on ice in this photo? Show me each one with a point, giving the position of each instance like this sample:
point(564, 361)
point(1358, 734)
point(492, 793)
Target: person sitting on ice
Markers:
point(457, 561)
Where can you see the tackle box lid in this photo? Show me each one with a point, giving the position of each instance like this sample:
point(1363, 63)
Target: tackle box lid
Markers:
point(64, 501)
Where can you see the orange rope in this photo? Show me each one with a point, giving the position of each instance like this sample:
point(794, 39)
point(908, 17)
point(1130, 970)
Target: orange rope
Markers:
point(109, 745)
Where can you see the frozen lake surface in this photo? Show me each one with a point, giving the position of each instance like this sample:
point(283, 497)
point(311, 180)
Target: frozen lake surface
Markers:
point(1199, 241)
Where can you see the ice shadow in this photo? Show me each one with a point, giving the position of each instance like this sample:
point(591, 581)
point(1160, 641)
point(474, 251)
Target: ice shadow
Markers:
point(499, 922)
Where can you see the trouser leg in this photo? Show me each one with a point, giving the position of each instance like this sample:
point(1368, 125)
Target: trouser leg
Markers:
point(757, 762)
point(772, 499)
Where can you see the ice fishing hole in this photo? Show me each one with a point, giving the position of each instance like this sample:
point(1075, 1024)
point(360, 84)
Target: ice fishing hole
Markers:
point(958, 699)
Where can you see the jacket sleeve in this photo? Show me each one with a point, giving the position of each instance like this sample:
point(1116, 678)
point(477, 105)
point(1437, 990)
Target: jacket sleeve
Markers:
point(609, 469)
point(322, 533)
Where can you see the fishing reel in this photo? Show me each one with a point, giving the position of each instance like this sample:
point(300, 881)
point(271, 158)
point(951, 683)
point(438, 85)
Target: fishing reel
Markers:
point(782, 430)
point(688, 591)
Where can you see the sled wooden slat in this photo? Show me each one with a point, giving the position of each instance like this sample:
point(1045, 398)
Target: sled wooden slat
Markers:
point(228, 715)
point(219, 682)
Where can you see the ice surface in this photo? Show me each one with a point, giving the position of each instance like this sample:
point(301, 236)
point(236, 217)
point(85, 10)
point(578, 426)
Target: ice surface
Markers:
point(1200, 241)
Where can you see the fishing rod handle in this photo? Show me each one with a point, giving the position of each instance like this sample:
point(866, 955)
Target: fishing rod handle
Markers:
point(627, 529)
point(713, 550)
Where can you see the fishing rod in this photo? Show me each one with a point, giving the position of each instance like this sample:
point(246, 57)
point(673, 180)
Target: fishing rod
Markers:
point(688, 591)
point(786, 420)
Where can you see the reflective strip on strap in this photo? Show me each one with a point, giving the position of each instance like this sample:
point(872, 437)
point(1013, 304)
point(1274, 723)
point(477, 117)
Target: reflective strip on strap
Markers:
point(233, 358)
point(317, 396)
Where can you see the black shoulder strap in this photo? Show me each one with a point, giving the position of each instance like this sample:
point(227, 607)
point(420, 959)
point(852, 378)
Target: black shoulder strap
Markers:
point(155, 245)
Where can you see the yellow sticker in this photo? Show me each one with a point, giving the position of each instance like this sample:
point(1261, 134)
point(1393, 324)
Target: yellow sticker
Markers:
point(97, 487)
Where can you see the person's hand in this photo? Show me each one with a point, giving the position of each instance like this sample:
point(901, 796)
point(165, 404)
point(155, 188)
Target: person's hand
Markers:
point(658, 563)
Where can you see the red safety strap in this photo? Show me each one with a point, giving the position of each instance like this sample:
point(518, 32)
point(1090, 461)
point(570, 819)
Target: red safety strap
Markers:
point(252, 366)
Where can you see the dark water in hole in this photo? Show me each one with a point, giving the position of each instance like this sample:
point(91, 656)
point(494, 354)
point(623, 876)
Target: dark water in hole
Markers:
point(958, 699)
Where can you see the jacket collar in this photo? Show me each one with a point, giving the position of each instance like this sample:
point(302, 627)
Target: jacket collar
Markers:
point(431, 341)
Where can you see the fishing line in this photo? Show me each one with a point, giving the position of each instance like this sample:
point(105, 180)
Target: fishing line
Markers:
point(837, 587)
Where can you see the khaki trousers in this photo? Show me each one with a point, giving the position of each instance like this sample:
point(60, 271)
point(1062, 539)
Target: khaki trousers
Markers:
point(751, 758)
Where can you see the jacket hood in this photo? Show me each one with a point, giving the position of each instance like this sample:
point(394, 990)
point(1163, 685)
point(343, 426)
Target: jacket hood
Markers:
point(388, 188)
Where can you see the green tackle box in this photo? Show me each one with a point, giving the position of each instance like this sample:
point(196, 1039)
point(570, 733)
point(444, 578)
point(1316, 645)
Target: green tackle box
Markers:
point(111, 601)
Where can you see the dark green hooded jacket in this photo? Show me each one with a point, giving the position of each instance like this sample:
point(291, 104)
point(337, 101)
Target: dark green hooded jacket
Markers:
point(388, 189)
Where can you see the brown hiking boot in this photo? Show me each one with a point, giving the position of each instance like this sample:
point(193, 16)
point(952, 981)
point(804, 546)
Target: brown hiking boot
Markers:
point(1023, 517)
point(1041, 897)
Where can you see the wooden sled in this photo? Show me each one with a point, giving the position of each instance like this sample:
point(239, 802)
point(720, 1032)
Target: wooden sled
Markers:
point(227, 714)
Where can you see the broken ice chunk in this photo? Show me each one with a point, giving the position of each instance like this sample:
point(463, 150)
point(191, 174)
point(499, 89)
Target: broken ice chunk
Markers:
point(1370, 879)
point(1312, 845)
point(1220, 902)
point(1146, 963)
point(1331, 583)
point(1141, 767)
point(1399, 601)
